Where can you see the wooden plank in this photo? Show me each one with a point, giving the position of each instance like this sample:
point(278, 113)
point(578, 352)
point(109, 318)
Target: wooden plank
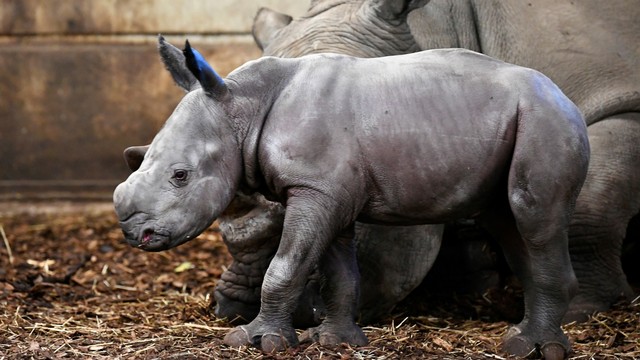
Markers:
point(136, 16)
point(69, 109)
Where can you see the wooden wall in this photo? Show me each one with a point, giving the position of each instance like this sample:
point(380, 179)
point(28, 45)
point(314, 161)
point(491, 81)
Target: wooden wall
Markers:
point(80, 80)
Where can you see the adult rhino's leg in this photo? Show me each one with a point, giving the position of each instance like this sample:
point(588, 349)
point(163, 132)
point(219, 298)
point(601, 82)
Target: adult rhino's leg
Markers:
point(393, 261)
point(340, 291)
point(609, 199)
point(251, 227)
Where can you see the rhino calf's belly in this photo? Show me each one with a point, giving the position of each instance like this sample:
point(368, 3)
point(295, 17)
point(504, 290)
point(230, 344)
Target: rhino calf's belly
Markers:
point(448, 185)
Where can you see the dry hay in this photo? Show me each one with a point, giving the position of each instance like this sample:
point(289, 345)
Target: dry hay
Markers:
point(72, 289)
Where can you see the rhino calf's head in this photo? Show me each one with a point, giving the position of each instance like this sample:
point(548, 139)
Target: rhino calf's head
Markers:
point(192, 168)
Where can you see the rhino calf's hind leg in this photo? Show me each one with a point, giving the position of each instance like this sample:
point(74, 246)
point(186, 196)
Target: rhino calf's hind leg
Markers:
point(548, 167)
point(548, 282)
point(340, 292)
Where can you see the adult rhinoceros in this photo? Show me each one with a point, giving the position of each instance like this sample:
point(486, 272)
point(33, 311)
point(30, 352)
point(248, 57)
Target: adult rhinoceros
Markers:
point(590, 48)
point(389, 140)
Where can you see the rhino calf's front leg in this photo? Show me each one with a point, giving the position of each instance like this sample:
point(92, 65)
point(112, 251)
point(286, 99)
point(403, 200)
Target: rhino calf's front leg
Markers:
point(340, 292)
point(311, 223)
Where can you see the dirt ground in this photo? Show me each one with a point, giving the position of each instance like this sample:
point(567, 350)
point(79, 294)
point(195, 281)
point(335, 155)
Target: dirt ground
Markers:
point(71, 288)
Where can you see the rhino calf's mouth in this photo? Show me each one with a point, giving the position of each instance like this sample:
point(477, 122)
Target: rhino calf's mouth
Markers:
point(152, 240)
point(147, 236)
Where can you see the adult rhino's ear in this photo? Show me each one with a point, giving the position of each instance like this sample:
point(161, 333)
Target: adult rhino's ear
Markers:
point(210, 81)
point(174, 61)
point(266, 23)
point(394, 9)
point(134, 155)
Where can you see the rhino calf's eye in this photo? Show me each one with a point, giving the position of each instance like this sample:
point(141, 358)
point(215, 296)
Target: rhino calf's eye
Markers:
point(180, 175)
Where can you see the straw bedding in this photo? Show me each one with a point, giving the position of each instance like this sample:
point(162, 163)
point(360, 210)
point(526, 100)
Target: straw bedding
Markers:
point(71, 288)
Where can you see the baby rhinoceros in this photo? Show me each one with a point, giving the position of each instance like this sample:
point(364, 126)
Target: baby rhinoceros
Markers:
point(413, 139)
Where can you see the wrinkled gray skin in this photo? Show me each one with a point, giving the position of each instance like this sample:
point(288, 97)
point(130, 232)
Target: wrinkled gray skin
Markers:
point(251, 228)
point(324, 134)
point(393, 260)
point(589, 48)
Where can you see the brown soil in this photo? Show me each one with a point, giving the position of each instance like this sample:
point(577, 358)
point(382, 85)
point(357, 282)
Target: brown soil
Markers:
point(71, 288)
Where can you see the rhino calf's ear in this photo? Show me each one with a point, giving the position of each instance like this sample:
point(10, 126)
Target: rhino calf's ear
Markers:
point(393, 9)
point(210, 81)
point(266, 23)
point(173, 60)
point(134, 155)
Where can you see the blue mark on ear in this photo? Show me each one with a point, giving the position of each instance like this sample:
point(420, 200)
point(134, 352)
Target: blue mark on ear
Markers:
point(200, 68)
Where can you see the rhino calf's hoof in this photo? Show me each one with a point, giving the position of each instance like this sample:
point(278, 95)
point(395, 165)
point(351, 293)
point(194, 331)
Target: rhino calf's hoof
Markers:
point(518, 346)
point(331, 336)
point(268, 342)
point(579, 315)
point(553, 351)
point(516, 343)
point(237, 337)
point(271, 343)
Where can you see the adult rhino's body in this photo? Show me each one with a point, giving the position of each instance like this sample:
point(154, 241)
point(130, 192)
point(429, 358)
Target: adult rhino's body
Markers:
point(420, 138)
point(590, 49)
